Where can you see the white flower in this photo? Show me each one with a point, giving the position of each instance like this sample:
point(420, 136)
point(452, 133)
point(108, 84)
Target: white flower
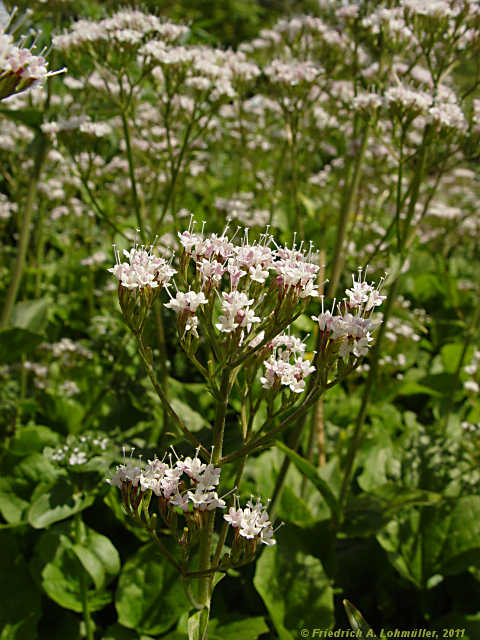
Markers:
point(142, 269)
point(77, 457)
point(471, 385)
point(188, 301)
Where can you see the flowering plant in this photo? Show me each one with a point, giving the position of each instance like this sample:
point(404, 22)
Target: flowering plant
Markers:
point(235, 304)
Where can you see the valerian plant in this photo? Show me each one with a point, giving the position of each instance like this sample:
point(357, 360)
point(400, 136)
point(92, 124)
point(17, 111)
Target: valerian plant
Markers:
point(357, 125)
point(235, 304)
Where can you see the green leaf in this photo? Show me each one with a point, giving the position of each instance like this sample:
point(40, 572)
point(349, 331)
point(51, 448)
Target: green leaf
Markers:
point(17, 342)
point(150, 597)
point(60, 571)
point(12, 505)
point(31, 314)
point(20, 607)
point(98, 557)
point(311, 207)
point(443, 539)
point(247, 629)
point(192, 418)
point(357, 621)
point(19, 483)
point(310, 472)
point(33, 438)
point(367, 513)
point(29, 117)
point(294, 588)
point(451, 354)
point(117, 632)
point(57, 503)
point(198, 625)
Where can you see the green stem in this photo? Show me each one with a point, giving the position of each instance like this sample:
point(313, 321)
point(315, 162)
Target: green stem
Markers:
point(375, 354)
point(468, 339)
point(357, 434)
point(205, 584)
point(176, 170)
point(345, 212)
point(157, 309)
point(25, 231)
point(79, 531)
point(163, 398)
point(282, 474)
point(131, 170)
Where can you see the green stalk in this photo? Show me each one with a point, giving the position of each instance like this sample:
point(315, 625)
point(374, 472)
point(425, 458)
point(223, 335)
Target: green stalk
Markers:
point(176, 170)
point(345, 212)
point(375, 356)
point(83, 581)
point(146, 357)
point(468, 340)
point(206, 582)
point(131, 170)
point(25, 230)
point(163, 372)
point(357, 434)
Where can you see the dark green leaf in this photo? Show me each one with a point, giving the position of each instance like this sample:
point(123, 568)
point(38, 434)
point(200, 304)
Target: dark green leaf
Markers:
point(17, 342)
point(310, 472)
point(57, 503)
point(288, 579)
point(29, 117)
point(31, 314)
point(357, 621)
point(20, 607)
point(61, 573)
point(33, 438)
point(247, 629)
point(150, 597)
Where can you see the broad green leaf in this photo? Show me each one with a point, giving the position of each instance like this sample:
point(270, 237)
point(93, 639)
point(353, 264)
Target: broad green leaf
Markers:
point(357, 621)
point(91, 563)
point(31, 314)
point(297, 508)
point(20, 607)
point(58, 503)
point(367, 513)
point(19, 483)
point(60, 572)
point(12, 506)
point(117, 632)
point(98, 557)
point(198, 625)
point(247, 629)
point(150, 597)
point(32, 438)
point(443, 539)
point(310, 472)
point(30, 117)
point(294, 588)
point(17, 342)
point(192, 418)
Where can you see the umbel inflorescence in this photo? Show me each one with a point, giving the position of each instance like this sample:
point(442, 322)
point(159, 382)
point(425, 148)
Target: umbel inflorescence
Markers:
point(20, 68)
point(243, 296)
point(234, 304)
point(181, 493)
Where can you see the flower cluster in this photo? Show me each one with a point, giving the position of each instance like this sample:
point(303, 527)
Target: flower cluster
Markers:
point(142, 269)
point(19, 67)
point(251, 522)
point(187, 482)
point(78, 450)
point(286, 366)
point(127, 28)
point(353, 325)
point(246, 294)
point(190, 485)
